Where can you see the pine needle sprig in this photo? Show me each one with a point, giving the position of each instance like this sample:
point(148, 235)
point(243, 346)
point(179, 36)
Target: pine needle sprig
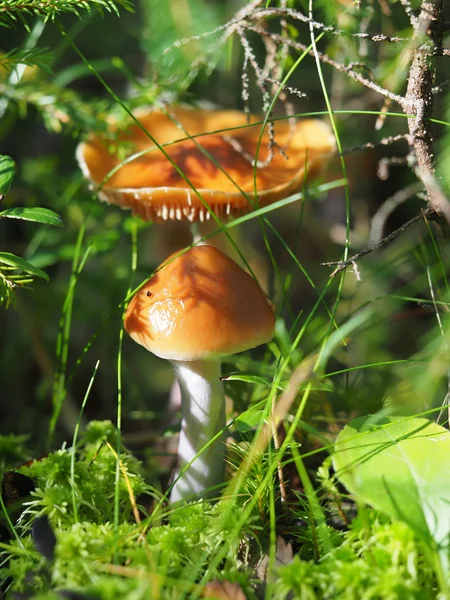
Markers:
point(33, 57)
point(14, 12)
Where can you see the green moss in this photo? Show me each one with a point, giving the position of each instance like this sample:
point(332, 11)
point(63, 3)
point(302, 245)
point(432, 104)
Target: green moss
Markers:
point(380, 562)
point(169, 554)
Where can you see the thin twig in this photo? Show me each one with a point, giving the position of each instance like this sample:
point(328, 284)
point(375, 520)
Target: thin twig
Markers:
point(387, 208)
point(388, 161)
point(348, 70)
point(298, 16)
point(248, 19)
point(386, 141)
point(228, 27)
point(410, 12)
point(364, 25)
point(351, 262)
point(437, 89)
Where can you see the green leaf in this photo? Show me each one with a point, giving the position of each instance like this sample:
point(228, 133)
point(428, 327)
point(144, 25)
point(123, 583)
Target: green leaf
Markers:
point(249, 420)
point(11, 260)
point(401, 468)
point(7, 171)
point(37, 214)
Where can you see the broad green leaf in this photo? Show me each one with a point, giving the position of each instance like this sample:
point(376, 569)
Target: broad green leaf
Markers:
point(11, 260)
point(400, 467)
point(37, 214)
point(7, 171)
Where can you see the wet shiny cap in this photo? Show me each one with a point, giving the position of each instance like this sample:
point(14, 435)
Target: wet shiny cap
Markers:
point(199, 305)
point(220, 166)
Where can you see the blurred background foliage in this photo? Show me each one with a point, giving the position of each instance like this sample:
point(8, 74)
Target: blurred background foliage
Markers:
point(50, 99)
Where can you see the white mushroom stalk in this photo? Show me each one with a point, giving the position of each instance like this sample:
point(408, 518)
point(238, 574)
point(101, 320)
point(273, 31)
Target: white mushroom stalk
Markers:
point(203, 417)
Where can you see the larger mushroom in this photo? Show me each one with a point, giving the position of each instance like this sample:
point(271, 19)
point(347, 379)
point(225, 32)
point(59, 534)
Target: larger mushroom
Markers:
point(218, 162)
point(220, 166)
point(198, 307)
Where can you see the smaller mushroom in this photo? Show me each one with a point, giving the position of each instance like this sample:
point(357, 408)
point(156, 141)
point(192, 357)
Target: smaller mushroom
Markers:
point(199, 306)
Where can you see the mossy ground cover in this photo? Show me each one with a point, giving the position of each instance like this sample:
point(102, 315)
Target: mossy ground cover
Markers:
point(67, 542)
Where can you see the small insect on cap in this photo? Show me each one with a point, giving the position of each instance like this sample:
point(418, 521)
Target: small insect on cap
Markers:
point(220, 166)
point(199, 305)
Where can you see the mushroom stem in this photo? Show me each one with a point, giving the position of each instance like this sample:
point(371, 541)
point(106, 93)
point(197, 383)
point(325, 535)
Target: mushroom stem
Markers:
point(203, 417)
point(196, 233)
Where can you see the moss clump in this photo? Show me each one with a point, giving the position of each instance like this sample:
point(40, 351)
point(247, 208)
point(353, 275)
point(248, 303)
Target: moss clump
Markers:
point(172, 553)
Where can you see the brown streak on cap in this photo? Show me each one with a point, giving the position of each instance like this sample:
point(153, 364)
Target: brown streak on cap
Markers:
point(222, 170)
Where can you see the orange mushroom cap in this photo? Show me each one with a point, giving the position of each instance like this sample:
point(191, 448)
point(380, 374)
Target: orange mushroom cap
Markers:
point(199, 305)
point(153, 189)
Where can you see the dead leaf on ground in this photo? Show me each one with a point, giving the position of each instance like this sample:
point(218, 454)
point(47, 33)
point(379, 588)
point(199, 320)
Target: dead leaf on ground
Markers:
point(223, 590)
point(284, 555)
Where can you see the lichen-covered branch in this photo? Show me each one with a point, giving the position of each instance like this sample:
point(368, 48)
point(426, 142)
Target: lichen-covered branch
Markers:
point(419, 98)
point(347, 69)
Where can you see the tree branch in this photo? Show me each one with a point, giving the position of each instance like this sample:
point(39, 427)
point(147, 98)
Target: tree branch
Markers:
point(298, 16)
point(410, 12)
point(428, 31)
point(348, 70)
point(341, 265)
